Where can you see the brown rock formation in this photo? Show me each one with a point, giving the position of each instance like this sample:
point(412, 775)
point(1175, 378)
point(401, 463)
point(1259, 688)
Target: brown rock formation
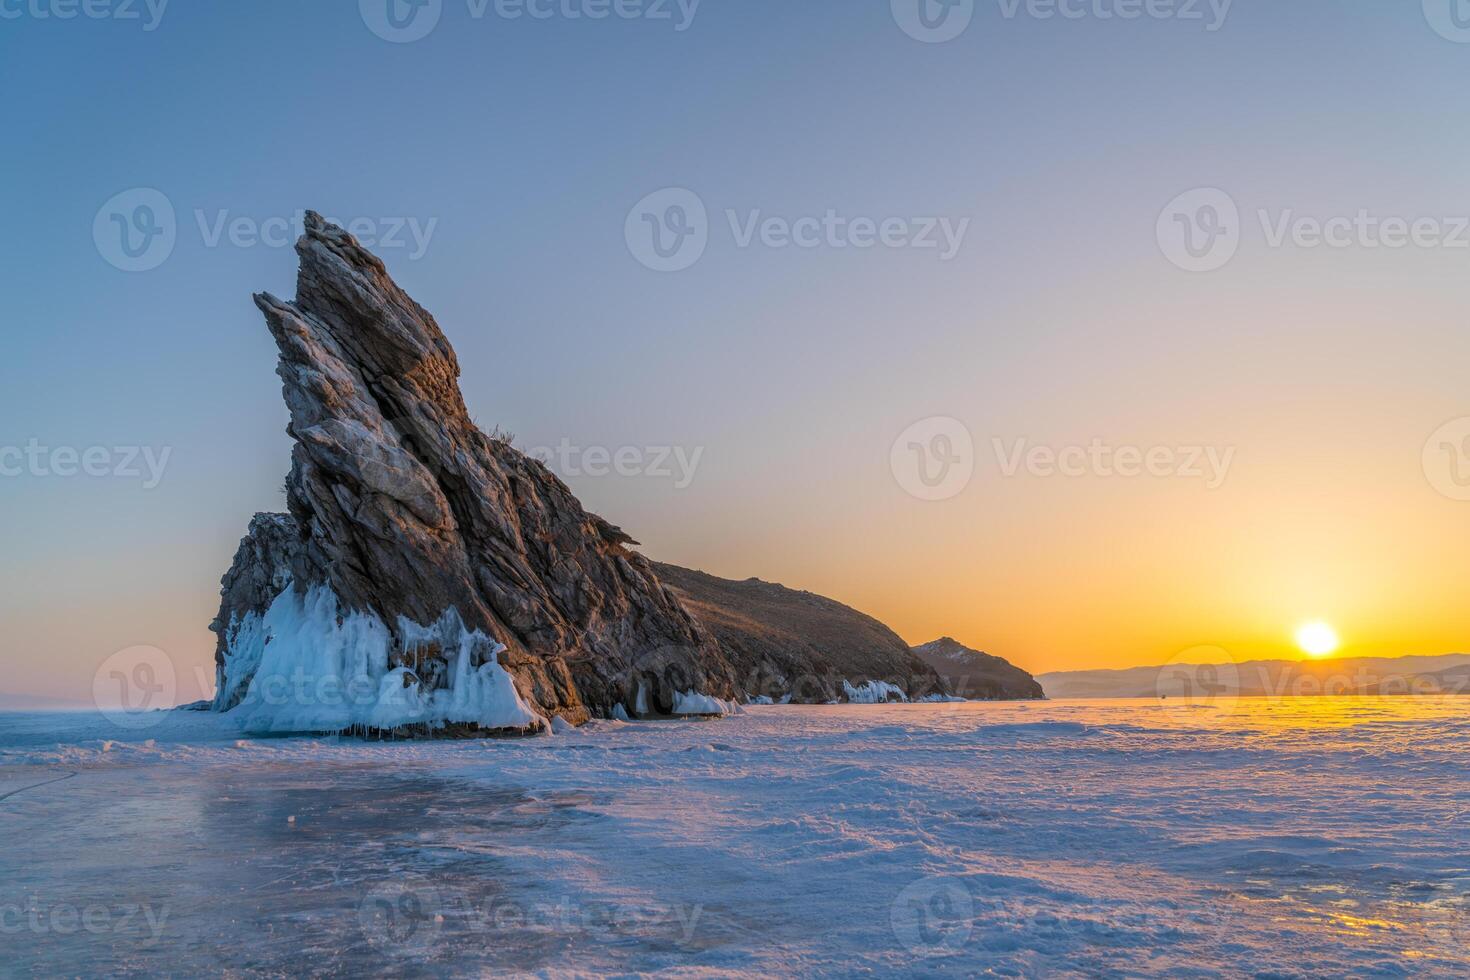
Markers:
point(403, 508)
point(978, 676)
point(434, 544)
point(785, 642)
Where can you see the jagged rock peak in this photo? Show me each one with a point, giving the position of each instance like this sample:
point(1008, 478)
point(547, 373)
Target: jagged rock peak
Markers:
point(946, 645)
point(404, 511)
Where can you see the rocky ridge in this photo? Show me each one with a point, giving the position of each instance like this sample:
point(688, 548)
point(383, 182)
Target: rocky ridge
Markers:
point(431, 578)
point(784, 642)
point(976, 675)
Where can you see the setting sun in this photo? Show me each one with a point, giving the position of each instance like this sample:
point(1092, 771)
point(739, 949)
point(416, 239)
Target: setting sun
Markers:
point(1317, 639)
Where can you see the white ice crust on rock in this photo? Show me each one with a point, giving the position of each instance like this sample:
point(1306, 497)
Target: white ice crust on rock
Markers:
point(873, 692)
point(694, 703)
point(310, 667)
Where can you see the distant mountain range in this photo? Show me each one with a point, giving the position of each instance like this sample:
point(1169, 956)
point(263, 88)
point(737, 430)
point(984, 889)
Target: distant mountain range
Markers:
point(1447, 674)
point(35, 702)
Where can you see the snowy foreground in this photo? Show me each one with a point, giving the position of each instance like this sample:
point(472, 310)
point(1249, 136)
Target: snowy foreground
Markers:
point(1302, 837)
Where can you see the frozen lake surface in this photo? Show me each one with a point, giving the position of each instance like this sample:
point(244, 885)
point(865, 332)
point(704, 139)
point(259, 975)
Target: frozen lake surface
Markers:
point(1302, 837)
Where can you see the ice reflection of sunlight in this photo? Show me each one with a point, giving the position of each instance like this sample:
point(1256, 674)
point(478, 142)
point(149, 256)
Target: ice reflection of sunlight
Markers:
point(1323, 833)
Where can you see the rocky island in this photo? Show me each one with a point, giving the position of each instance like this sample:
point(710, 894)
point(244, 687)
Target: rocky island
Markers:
point(431, 578)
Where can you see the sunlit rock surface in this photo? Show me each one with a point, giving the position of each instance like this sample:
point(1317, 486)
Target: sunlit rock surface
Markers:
point(405, 512)
point(785, 643)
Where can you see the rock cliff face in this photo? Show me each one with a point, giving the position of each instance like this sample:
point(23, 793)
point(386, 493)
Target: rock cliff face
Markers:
point(783, 642)
point(430, 578)
point(978, 676)
point(412, 527)
point(262, 570)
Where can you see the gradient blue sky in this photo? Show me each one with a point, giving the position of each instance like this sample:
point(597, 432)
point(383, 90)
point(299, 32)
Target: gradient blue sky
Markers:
point(1059, 321)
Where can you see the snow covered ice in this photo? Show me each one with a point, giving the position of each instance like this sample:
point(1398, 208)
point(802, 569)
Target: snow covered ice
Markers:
point(1303, 837)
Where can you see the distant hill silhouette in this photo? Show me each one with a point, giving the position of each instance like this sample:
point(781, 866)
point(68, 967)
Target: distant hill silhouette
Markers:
point(37, 702)
point(973, 674)
point(1447, 674)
